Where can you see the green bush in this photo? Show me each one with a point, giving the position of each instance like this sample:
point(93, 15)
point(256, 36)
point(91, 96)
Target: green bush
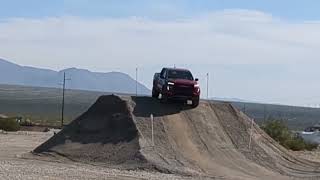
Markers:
point(295, 144)
point(8, 124)
point(279, 131)
point(26, 122)
point(310, 146)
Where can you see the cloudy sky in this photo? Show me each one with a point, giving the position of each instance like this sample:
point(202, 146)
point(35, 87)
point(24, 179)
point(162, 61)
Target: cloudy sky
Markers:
point(257, 50)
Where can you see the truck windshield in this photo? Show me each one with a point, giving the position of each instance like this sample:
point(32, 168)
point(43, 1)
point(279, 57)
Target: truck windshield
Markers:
point(179, 74)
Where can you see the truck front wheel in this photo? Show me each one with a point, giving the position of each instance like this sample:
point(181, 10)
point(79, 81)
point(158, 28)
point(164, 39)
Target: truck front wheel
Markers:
point(164, 96)
point(195, 102)
point(155, 93)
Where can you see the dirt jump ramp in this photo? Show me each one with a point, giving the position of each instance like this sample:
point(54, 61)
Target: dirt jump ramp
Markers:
point(212, 140)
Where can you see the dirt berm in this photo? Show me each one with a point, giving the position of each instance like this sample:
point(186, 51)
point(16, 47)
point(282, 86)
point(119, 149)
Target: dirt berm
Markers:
point(211, 140)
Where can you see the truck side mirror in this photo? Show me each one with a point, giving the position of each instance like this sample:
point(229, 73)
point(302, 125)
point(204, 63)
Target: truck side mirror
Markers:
point(196, 79)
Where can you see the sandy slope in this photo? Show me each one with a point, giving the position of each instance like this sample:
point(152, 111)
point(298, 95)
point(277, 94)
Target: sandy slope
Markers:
point(211, 140)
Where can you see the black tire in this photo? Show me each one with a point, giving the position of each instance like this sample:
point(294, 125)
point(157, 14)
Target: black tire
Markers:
point(155, 93)
point(195, 102)
point(164, 97)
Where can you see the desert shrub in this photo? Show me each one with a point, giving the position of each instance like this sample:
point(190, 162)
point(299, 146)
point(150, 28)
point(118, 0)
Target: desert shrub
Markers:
point(26, 122)
point(9, 124)
point(295, 144)
point(310, 146)
point(279, 131)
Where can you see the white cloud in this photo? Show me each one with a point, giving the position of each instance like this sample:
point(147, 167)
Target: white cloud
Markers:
point(224, 37)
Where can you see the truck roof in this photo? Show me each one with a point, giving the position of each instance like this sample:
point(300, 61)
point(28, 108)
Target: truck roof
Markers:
point(181, 69)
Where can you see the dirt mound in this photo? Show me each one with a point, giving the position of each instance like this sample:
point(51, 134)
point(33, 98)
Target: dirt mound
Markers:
point(105, 133)
point(212, 140)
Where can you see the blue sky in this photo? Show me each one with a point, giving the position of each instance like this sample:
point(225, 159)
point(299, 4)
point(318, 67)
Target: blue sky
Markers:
point(290, 9)
point(258, 50)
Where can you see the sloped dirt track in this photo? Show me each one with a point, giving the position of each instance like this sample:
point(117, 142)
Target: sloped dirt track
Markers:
point(211, 140)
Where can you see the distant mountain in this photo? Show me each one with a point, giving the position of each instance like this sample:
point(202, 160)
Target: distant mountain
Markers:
point(81, 79)
point(297, 118)
point(232, 100)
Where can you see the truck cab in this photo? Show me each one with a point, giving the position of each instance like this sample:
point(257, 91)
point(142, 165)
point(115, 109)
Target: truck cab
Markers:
point(178, 84)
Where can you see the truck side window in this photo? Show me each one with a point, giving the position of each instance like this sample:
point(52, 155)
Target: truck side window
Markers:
point(165, 74)
point(162, 73)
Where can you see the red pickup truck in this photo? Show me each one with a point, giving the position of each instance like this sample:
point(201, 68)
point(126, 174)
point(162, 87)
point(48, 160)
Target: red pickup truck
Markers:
point(179, 84)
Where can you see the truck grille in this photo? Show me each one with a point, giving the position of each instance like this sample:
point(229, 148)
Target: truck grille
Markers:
point(183, 90)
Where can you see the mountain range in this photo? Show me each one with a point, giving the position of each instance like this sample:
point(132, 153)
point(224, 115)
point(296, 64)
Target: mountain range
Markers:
point(81, 79)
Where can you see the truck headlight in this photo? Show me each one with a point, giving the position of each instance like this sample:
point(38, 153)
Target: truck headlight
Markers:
point(197, 88)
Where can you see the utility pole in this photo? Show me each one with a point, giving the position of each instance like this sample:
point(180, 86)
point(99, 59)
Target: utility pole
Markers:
point(207, 85)
point(63, 93)
point(136, 81)
point(152, 136)
point(264, 113)
point(251, 133)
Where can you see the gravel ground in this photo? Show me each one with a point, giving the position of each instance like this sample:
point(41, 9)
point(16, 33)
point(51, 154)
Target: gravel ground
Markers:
point(14, 146)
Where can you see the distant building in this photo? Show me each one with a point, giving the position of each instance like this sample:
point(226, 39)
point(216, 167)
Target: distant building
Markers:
point(311, 134)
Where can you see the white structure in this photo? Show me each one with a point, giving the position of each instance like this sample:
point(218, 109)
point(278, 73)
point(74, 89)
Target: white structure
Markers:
point(311, 134)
